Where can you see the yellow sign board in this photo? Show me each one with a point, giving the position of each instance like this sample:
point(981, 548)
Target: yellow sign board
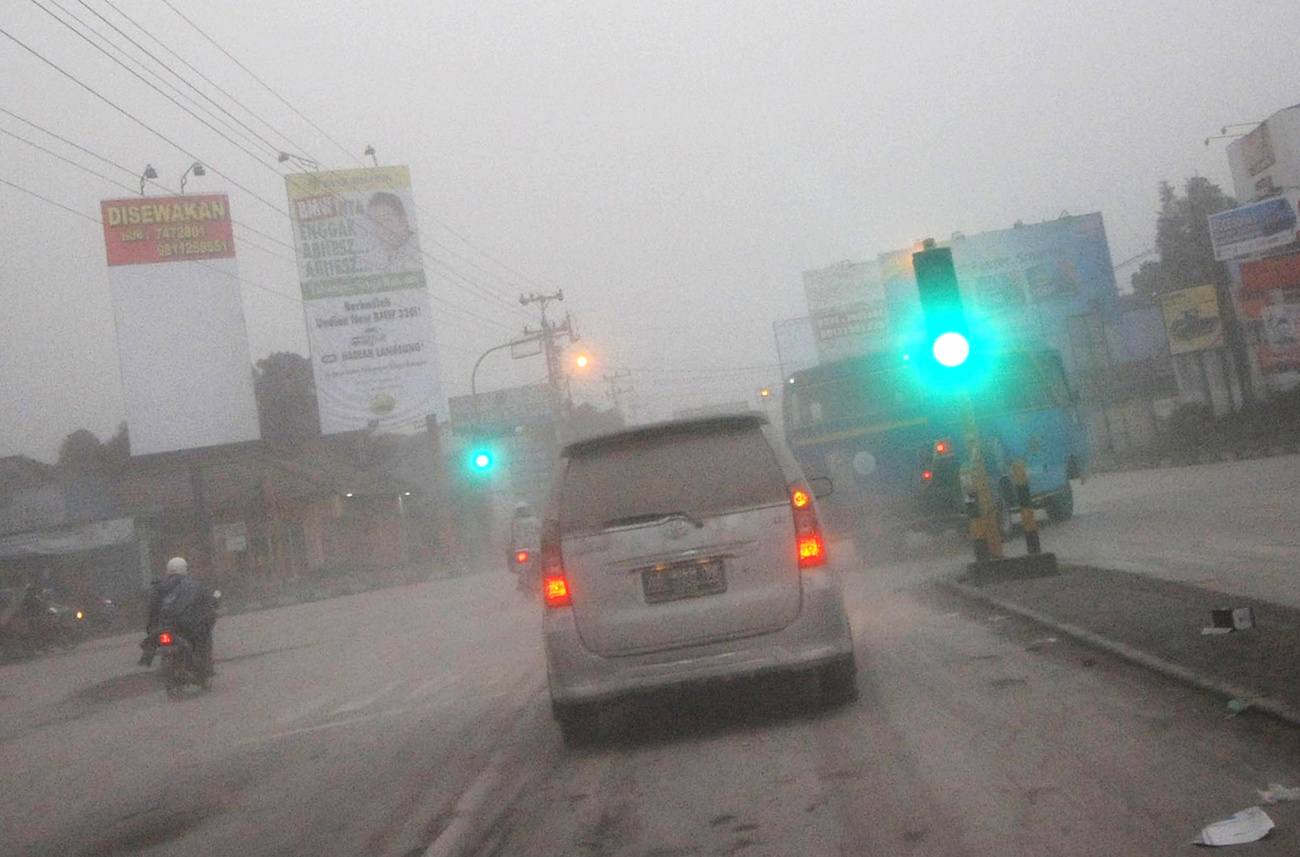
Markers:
point(1192, 319)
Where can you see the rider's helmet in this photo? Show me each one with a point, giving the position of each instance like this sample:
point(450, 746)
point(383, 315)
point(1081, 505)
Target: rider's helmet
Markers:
point(178, 565)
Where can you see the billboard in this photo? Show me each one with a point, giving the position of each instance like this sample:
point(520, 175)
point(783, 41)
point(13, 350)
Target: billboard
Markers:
point(513, 406)
point(1267, 160)
point(1269, 301)
point(361, 270)
point(1251, 229)
point(181, 341)
point(846, 306)
point(1022, 285)
point(1192, 320)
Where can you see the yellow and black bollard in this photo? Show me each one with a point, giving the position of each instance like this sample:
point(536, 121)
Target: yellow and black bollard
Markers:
point(1020, 478)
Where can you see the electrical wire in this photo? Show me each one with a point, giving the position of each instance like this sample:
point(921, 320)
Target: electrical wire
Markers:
point(136, 120)
point(238, 278)
point(292, 145)
point(138, 63)
point(426, 215)
point(229, 178)
point(272, 146)
point(264, 84)
point(150, 83)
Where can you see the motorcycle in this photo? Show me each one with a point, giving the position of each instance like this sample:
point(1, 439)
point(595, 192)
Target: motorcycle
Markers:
point(181, 666)
point(102, 615)
point(33, 623)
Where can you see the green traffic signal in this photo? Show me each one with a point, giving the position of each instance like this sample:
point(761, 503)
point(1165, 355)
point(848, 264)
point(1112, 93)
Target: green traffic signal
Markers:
point(482, 460)
point(951, 349)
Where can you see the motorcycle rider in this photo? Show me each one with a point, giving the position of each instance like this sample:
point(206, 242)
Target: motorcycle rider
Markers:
point(181, 602)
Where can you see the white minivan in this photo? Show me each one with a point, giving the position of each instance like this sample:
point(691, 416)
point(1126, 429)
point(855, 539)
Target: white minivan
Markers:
point(685, 552)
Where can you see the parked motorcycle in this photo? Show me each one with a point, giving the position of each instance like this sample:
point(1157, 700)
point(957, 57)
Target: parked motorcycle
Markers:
point(31, 622)
point(102, 615)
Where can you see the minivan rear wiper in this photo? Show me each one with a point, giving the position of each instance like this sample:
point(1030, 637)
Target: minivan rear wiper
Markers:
point(649, 518)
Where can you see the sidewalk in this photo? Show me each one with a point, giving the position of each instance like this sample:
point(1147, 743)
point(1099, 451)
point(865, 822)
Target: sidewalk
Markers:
point(1158, 623)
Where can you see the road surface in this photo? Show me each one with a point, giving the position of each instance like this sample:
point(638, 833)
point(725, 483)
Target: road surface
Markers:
point(414, 720)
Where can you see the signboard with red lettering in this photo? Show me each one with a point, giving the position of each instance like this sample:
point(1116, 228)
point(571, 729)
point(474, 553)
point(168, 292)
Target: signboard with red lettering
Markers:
point(181, 342)
point(144, 230)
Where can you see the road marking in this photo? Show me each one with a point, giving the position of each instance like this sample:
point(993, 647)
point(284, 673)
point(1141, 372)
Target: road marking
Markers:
point(336, 724)
point(365, 701)
point(434, 684)
point(453, 837)
point(301, 711)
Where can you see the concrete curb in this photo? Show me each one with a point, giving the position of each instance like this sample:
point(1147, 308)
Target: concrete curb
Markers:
point(1265, 704)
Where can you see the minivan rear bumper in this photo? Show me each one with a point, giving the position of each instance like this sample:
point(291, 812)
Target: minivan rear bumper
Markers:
point(819, 634)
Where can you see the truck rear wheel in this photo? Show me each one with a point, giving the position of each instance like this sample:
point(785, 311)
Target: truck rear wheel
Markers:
point(1060, 506)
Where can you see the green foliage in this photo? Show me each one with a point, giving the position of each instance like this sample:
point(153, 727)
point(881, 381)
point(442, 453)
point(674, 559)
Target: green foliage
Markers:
point(286, 399)
point(1183, 240)
point(82, 453)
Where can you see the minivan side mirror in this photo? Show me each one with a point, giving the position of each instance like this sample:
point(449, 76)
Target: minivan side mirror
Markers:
point(821, 486)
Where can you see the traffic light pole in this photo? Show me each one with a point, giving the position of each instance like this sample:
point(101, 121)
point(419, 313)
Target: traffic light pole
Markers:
point(981, 508)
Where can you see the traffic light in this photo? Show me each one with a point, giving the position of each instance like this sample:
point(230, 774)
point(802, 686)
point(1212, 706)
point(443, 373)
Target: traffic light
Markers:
point(481, 459)
point(947, 337)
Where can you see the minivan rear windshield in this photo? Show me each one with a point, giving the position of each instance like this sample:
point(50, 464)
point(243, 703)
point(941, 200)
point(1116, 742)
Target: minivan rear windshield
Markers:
point(697, 474)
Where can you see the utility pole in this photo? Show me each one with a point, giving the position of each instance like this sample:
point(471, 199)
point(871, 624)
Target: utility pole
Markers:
point(614, 390)
point(548, 333)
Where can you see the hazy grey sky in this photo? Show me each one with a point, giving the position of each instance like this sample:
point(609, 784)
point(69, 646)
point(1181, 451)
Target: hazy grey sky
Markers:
point(673, 167)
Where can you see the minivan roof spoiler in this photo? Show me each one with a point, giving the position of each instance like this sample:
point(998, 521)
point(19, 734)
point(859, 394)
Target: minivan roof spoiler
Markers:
point(654, 431)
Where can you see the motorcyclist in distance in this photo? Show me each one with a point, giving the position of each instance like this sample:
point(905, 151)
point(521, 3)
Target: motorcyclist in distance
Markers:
point(182, 603)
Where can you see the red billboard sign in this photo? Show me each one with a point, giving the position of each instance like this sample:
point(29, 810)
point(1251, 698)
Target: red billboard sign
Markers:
point(141, 231)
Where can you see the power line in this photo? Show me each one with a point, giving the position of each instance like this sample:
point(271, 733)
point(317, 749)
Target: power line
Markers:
point(54, 154)
point(141, 65)
point(228, 177)
point(264, 84)
point(129, 172)
point(236, 277)
point(155, 88)
point(67, 141)
point(272, 146)
point(291, 260)
point(297, 147)
point(136, 120)
point(343, 148)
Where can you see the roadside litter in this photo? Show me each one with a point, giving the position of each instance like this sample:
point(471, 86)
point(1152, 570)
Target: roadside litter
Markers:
point(1239, 706)
point(1228, 620)
point(1249, 825)
point(1278, 792)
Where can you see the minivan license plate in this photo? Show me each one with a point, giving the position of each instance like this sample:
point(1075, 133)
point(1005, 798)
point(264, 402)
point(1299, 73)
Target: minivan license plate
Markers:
point(684, 580)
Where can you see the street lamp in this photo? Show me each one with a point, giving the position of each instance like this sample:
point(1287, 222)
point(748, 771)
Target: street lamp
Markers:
point(370, 150)
point(149, 173)
point(197, 169)
point(306, 163)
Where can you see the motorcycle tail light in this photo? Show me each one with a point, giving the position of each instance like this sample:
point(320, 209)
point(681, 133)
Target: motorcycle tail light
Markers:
point(164, 639)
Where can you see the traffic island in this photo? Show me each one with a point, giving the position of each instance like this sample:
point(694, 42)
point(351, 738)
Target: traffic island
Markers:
point(1022, 567)
point(1160, 625)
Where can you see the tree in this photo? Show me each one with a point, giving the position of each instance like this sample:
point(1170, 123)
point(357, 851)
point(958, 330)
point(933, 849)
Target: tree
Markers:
point(1183, 240)
point(79, 453)
point(82, 453)
point(286, 398)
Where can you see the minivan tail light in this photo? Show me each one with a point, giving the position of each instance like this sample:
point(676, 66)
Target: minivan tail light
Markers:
point(810, 546)
point(555, 585)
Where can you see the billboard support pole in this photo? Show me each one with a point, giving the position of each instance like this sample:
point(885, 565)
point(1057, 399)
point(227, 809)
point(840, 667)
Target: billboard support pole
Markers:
point(444, 530)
